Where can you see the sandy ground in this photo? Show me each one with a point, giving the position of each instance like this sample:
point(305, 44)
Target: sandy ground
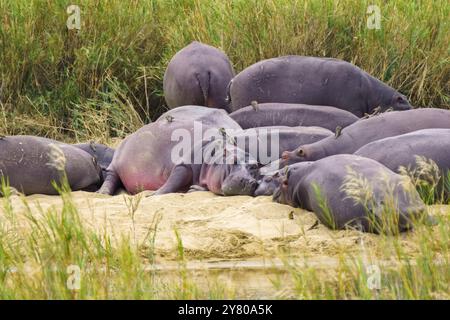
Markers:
point(214, 228)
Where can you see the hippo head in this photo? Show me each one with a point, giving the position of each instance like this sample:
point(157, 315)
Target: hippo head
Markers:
point(269, 183)
point(103, 154)
point(240, 180)
point(397, 102)
point(281, 194)
point(300, 154)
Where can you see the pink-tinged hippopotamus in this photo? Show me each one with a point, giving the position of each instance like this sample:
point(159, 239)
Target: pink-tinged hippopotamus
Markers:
point(313, 81)
point(31, 165)
point(147, 158)
point(198, 75)
point(364, 131)
point(292, 115)
point(348, 191)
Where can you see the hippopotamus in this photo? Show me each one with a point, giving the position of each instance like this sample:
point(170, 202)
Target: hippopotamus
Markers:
point(364, 131)
point(314, 81)
point(145, 159)
point(198, 75)
point(267, 143)
point(228, 178)
point(402, 153)
point(292, 115)
point(207, 116)
point(102, 153)
point(269, 182)
point(351, 191)
point(30, 165)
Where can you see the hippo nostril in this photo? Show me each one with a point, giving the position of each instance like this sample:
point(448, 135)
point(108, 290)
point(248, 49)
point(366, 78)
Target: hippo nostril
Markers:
point(285, 155)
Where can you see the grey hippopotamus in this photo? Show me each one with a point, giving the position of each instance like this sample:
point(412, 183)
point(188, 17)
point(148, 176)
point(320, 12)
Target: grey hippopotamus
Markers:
point(30, 165)
point(351, 191)
point(198, 75)
point(292, 115)
point(364, 131)
point(102, 153)
point(145, 159)
point(268, 183)
point(266, 144)
point(314, 81)
point(409, 153)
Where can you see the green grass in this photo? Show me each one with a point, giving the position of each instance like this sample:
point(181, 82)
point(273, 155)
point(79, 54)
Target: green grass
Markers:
point(106, 80)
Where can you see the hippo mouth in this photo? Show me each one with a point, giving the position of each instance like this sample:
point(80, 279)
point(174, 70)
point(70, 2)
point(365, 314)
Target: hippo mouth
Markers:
point(246, 188)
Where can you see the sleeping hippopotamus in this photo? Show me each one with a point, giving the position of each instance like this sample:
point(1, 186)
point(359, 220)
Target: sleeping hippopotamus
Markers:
point(198, 75)
point(103, 154)
point(228, 178)
point(30, 165)
point(402, 152)
point(292, 115)
point(267, 143)
point(314, 81)
point(351, 191)
point(365, 131)
point(145, 159)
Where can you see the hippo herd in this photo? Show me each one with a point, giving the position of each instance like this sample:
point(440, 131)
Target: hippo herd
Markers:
point(338, 139)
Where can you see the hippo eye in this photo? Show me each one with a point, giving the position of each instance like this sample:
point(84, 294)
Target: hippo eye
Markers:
point(400, 99)
point(269, 179)
point(301, 153)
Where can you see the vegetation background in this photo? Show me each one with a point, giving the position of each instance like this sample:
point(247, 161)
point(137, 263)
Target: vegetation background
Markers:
point(105, 80)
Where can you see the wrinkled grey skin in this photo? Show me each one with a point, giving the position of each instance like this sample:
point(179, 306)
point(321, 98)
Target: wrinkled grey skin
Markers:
point(102, 153)
point(266, 144)
point(198, 75)
point(292, 115)
point(226, 179)
point(30, 164)
point(401, 151)
point(368, 130)
point(329, 174)
point(143, 161)
point(314, 81)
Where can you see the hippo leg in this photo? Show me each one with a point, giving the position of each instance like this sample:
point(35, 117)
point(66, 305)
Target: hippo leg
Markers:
point(197, 188)
point(111, 183)
point(180, 178)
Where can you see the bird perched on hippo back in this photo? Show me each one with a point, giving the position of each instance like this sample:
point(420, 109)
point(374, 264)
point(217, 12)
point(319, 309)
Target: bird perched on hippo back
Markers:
point(204, 115)
point(351, 191)
point(314, 81)
point(198, 75)
point(292, 115)
point(364, 131)
point(30, 165)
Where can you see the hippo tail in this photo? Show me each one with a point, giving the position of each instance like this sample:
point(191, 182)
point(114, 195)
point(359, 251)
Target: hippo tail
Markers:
point(204, 82)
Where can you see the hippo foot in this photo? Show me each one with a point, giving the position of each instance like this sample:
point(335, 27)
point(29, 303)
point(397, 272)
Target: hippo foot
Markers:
point(195, 188)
